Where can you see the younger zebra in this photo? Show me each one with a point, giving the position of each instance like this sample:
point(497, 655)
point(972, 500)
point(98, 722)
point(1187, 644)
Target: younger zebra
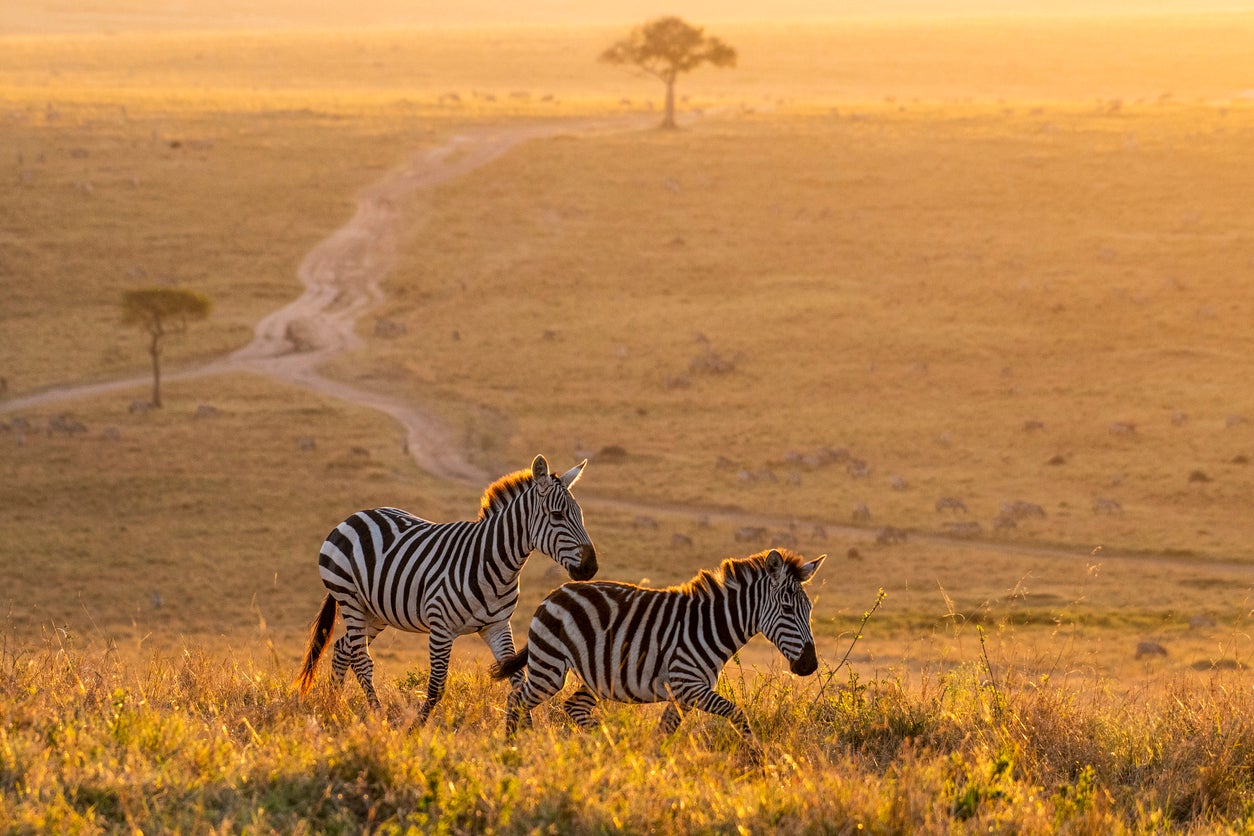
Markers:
point(639, 645)
point(387, 568)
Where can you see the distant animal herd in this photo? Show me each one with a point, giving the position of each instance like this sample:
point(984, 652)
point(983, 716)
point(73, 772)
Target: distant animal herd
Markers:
point(388, 568)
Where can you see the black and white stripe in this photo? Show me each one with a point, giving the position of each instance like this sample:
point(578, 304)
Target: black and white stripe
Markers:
point(639, 645)
point(387, 568)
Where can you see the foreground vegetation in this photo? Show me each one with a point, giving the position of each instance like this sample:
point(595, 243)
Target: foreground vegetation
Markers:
point(199, 742)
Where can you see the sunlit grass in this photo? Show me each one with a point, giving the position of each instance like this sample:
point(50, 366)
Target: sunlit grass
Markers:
point(195, 741)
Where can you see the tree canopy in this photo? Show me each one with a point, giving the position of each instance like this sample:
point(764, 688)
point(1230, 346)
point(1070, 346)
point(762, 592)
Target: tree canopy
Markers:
point(161, 311)
point(667, 47)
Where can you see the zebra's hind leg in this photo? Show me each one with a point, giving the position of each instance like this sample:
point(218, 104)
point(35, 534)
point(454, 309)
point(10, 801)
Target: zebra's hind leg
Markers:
point(341, 655)
point(671, 719)
point(541, 684)
point(353, 650)
point(580, 705)
point(515, 713)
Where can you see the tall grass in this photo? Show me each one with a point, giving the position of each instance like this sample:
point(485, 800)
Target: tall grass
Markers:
point(199, 742)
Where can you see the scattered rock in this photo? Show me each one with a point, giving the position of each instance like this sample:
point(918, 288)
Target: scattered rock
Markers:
point(964, 528)
point(611, 453)
point(890, 536)
point(750, 534)
point(1103, 505)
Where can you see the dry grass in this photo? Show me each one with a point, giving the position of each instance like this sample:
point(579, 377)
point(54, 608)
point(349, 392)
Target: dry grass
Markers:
point(196, 742)
point(917, 289)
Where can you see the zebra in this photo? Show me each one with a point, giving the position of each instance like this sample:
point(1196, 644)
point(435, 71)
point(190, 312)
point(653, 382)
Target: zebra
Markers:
point(633, 644)
point(387, 568)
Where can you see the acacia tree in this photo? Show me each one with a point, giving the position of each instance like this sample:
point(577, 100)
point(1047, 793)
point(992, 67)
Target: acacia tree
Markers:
point(162, 311)
point(666, 47)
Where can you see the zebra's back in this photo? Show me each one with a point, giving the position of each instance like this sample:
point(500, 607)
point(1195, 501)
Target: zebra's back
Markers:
point(406, 572)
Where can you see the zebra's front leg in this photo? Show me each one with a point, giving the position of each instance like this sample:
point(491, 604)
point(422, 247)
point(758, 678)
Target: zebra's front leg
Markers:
point(707, 699)
point(441, 646)
point(500, 640)
point(701, 695)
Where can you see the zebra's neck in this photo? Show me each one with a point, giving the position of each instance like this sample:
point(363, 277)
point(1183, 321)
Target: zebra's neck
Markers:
point(733, 604)
point(509, 532)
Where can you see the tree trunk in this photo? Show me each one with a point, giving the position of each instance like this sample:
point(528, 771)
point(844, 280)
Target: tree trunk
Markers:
point(155, 350)
point(668, 121)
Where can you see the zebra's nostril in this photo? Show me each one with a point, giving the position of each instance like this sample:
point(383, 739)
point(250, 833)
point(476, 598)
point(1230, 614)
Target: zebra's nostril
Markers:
point(587, 567)
point(807, 663)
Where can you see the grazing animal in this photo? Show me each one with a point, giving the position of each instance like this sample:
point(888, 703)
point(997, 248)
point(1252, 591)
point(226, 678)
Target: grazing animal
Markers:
point(639, 645)
point(388, 568)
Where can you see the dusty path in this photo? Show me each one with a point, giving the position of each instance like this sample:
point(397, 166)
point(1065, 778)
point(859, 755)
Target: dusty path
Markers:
point(341, 276)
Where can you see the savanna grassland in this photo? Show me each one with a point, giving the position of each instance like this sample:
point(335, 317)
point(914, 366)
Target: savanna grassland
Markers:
point(883, 264)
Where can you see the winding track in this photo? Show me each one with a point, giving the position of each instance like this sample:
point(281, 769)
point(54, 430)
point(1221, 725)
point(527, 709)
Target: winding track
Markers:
point(341, 275)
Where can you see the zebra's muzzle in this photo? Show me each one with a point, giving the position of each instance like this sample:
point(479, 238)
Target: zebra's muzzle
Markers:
point(587, 568)
point(807, 663)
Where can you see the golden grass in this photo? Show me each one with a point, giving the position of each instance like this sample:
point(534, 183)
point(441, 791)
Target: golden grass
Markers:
point(196, 741)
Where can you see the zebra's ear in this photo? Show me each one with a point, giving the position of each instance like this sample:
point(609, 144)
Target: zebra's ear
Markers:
point(539, 468)
point(808, 569)
point(570, 477)
point(775, 566)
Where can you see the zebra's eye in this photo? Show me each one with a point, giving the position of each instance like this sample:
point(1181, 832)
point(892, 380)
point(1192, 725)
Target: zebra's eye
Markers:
point(557, 516)
point(788, 606)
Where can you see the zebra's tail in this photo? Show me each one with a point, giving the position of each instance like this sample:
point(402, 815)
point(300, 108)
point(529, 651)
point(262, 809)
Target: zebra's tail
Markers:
point(319, 637)
point(510, 665)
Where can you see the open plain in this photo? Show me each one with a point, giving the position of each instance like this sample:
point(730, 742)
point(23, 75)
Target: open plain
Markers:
point(968, 311)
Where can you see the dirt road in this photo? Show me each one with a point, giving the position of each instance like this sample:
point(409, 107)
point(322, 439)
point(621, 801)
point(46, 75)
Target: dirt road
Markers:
point(341, 277)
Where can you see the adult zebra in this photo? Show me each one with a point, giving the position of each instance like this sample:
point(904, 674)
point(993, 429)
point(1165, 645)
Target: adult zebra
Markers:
point(633, 644)
point(387, 568)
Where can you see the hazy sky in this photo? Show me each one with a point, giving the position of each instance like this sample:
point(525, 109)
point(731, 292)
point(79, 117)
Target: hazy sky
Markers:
point(27, 16)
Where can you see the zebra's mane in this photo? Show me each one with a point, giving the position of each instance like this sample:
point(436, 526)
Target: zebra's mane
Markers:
point(503, 491)
point(739, 569)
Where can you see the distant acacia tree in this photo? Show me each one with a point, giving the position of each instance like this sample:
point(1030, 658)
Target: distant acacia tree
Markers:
point(162, 311)
point(665, 48)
